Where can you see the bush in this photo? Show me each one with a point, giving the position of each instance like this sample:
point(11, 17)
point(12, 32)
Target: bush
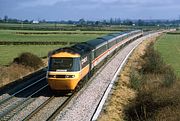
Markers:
point(169, 76)
point(135, 80)
point(29, 59)
point(155, 104)
point(157, 90)
point(153, 61)
point(142, 108)
point(154, 64)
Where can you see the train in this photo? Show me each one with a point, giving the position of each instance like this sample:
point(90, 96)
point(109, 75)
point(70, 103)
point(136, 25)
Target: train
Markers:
point(69, 65)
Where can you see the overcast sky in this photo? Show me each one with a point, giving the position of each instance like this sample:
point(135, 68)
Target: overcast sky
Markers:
point(90, 9)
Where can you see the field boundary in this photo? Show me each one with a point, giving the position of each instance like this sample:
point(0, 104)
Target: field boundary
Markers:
point(47, 33)
point(178, 33)
point(36, 43)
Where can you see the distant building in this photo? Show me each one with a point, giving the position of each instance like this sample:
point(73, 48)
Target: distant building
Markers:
point(35, 22)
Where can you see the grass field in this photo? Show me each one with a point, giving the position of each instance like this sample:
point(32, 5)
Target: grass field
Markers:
point(70, 27)
point(169, 47)
point(40, 26)
point(33, 25)
point(55, 26)
point(44, 36)
point(9, 52)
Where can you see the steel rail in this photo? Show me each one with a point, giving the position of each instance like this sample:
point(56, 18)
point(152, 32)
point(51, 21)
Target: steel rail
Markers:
point(38, 109)
point(5, 114)
point(8, 98)
point(110, 85)
point(60, 108)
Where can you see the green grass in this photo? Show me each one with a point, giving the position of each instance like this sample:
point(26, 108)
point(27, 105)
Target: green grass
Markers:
point(70, 27)
point(34, 25)
point(55, 26)
point(169, 47)
point(9, 52)
point(76, 36)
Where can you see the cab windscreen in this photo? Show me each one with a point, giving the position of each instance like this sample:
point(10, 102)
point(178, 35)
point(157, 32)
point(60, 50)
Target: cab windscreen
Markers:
point(64, 64)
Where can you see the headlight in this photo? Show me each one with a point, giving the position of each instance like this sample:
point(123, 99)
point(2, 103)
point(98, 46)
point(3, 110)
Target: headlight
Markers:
point(51, 76)
point(69, 76)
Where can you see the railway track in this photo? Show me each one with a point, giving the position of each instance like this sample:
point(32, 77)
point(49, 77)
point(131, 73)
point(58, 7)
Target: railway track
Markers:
point(16, 97)
point(9, 111)
point(86, 103)
point(12, 109)
point(16, 87)
point(63, 100)
point(19, 91)
point(39, 108)
point(110, 85)
point(13, 104)
point(22, 96)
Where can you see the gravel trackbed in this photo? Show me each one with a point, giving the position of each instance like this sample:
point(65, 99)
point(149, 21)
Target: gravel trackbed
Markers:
point(84, 104)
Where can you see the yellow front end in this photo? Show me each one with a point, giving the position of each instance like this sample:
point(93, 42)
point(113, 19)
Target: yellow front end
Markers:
point(63, 81)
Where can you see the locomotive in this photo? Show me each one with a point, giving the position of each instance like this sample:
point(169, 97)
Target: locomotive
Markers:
point(69, 65)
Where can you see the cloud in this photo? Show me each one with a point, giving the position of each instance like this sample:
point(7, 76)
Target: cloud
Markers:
point(120, 3)
point(136, 2)
point(105, 1)
point(92, 9)
point(34, 3)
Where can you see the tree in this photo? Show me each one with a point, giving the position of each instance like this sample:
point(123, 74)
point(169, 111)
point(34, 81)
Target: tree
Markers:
point(104, 22)
point(97, 22)
point(128, 22)
point(82, 21)
point(111, 21)
point(43, 21)
point(70, 22)
point(140, 22)
point(26, 21)
point(1, 20)
point(5, 18)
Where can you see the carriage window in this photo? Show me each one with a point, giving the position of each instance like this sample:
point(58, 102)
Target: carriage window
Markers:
point(100, 50)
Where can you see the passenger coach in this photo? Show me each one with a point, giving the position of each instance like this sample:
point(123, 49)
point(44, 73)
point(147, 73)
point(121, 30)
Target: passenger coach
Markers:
point(67, 66)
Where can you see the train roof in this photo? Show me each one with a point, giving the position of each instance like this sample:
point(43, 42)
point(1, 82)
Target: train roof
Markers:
point(86, 47)
point(65, 49)
point(117, 34)
point(95, 42)
point(82, 48)
point(107, 37)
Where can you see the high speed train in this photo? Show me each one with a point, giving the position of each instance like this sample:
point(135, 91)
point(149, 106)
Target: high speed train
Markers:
point(67, 66)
